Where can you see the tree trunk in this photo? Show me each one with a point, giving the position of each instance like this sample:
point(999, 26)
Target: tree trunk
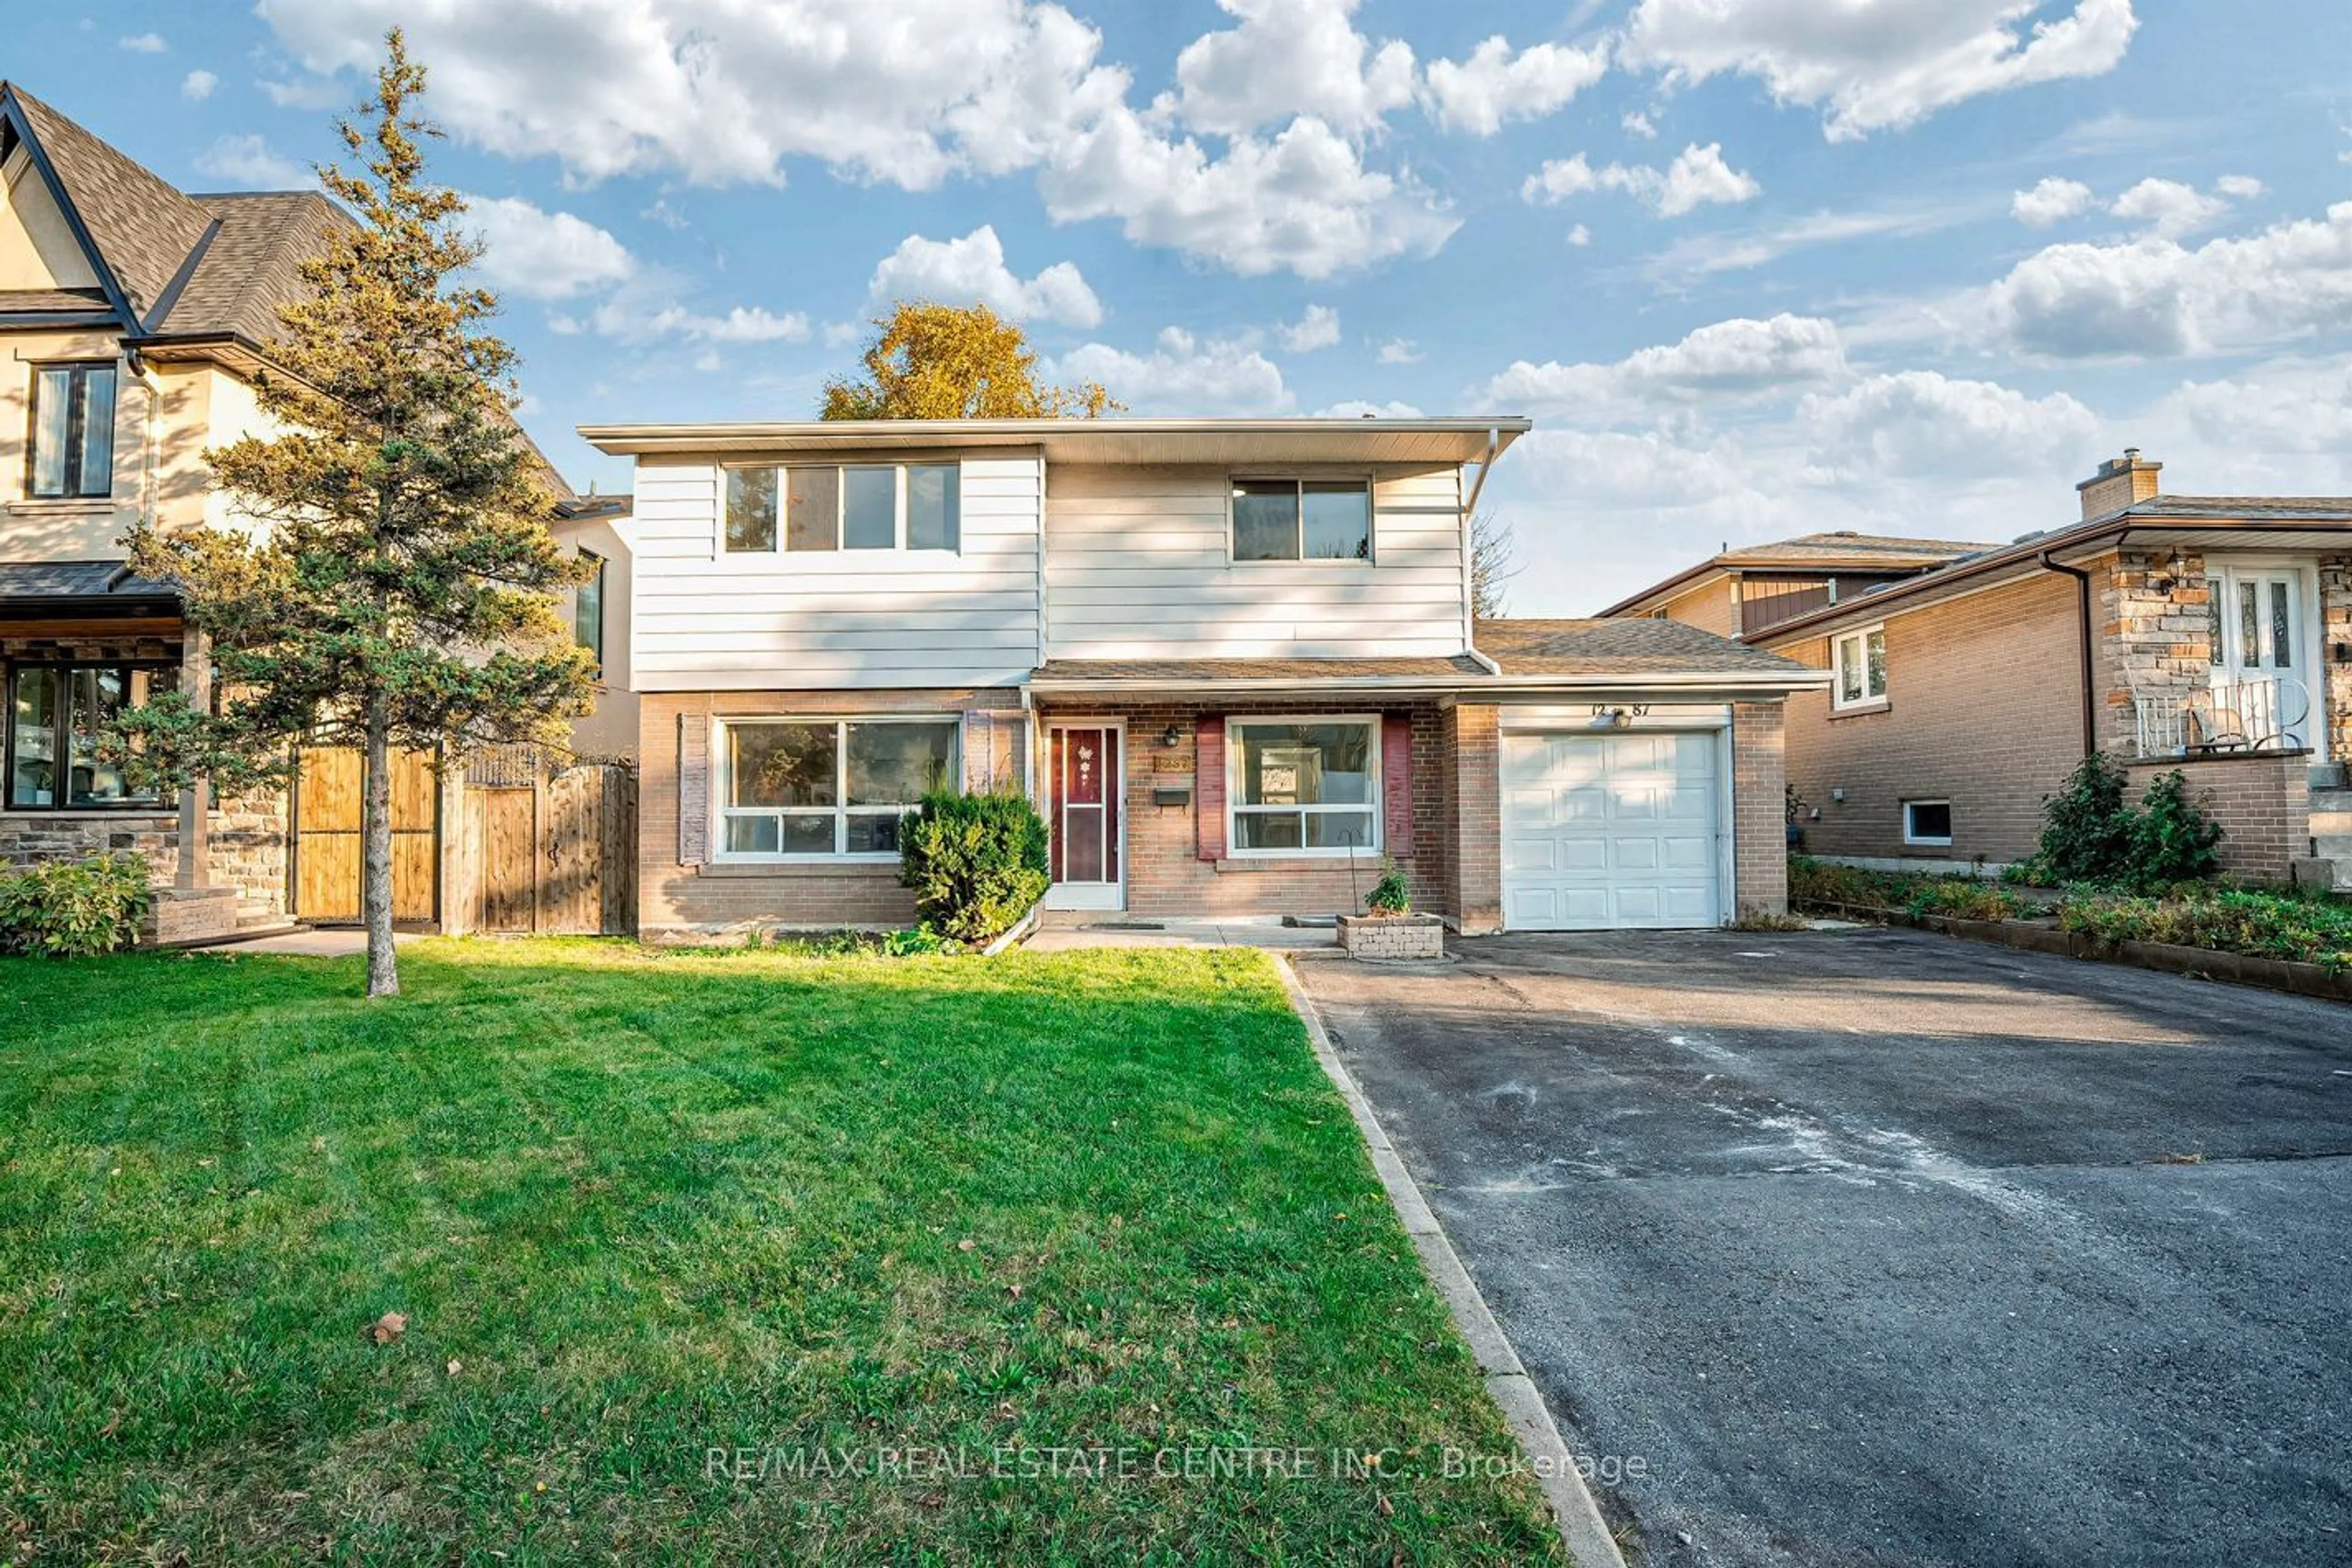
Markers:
point(375, 863)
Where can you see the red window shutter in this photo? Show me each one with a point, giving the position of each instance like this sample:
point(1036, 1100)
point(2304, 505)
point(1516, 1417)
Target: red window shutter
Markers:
point(1396, 783)
point(1209, 786)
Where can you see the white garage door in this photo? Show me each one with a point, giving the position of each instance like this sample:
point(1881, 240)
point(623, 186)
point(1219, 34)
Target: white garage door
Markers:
point(1610, 830)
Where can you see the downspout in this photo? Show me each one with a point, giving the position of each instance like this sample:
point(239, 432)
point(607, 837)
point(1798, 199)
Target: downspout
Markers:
point(145, 377)
point(1469, 554)
point(2090, 684)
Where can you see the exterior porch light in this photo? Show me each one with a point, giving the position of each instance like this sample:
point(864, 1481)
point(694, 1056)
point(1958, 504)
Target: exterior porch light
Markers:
point(1171, 738)
point(1614, 718)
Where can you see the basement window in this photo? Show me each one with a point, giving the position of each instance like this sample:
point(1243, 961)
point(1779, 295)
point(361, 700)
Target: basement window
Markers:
point(1928, 822)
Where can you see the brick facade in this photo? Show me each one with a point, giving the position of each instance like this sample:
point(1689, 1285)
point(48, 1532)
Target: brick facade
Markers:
point(1473, 739)
point(2262, 801)
point(1759, 820)
point(1984, 709)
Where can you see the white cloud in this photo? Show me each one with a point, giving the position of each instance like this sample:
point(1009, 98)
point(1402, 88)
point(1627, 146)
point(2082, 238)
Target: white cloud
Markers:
point(1726, 359)
point(197, 86)
point(1303, 200)
point(1700, 256)
point(1316, 328)
point(1579, 237)
point(1921, 423)
point(2240, 187)
point(2154, 298)
point(2168, 208)
point(1183, 375)
point(542, 255)
point(1289, 57)
point(1637, 124)
point(1888, 64)
point(626, 318)
point(940, 88)
point(1697, 177)
point(2291, 409)
point(248, 162)
point(1399, 350)
point(1478, 94)
point(144, 43)
point(1355, 409)
point(972, 268)
point(2052, 201)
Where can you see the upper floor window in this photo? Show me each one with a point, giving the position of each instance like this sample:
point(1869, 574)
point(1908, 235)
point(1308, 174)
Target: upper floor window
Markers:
point(1859, 660)
point(846, 506)
point(588, 610)
point(56, 714)
point(72, 450)
point(1302, 520)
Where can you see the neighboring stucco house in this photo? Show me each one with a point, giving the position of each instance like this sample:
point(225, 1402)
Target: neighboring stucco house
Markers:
point(1233, 662)
point(2211, 634)
point(136, 319)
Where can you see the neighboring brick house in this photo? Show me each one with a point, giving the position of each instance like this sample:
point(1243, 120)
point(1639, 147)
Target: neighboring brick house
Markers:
point(136, 318)
point(2211, 634)
point(1741, 592)
point(1233, 662)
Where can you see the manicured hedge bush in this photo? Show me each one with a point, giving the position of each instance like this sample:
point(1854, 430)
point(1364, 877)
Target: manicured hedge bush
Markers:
point(976, 863)
point(75, 908)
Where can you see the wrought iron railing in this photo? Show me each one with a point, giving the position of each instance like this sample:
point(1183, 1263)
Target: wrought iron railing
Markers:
point(2268, 714)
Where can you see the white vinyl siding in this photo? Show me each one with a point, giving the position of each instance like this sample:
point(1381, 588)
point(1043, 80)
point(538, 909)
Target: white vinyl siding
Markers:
point(1140, 565)
point(706, 618)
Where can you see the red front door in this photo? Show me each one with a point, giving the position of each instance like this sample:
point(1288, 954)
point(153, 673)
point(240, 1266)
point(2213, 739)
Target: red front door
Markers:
point(1086, 782)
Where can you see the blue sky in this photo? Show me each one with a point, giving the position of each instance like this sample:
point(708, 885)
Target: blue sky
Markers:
point(1755, 267)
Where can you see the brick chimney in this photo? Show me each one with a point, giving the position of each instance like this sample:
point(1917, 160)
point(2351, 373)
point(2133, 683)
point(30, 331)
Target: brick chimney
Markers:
point(2120, 482)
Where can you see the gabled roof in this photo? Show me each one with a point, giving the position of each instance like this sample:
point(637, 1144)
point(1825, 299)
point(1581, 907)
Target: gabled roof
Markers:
point(1626, 647)
point(174, 266)
point(2252, 508)
point(1843, 550)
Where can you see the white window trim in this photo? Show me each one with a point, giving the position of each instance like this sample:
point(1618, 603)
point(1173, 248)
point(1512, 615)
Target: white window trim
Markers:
point(1371, 555)
point(1838, 698)
point(1925, 841)
point(897, 545)
point(1235, 809)
point(721, 766)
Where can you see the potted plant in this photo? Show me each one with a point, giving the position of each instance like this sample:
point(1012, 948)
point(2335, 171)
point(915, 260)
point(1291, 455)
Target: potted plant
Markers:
point(1388, 929)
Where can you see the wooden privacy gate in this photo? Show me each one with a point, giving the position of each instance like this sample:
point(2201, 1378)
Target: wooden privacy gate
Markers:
point(552, 849)
point(327, 844)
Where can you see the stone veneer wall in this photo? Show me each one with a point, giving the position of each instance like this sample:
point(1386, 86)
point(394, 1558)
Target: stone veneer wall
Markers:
point(2336, 632)
point(2159, 636)
point(248, 838)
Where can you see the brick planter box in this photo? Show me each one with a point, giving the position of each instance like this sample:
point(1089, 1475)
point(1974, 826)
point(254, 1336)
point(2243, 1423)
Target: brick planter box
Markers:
point(1393, 937)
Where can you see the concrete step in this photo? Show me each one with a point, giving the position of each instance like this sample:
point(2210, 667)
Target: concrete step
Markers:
point(2332, 846)
point(2330, 775)
point(2323, 871)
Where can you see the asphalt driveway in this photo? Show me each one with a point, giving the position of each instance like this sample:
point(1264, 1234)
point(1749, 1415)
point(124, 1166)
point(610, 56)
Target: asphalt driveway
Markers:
point(1877, 1247)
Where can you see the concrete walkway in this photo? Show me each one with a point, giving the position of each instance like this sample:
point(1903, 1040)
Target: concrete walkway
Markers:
point(1072, 931)
point(325, 941)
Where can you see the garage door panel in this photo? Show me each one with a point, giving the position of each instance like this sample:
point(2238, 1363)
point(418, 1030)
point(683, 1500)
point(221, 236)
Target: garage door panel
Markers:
point(1610, 830)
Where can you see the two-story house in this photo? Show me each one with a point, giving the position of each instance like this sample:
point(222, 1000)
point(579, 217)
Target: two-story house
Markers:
point(2211, 634)
point(1233, 662)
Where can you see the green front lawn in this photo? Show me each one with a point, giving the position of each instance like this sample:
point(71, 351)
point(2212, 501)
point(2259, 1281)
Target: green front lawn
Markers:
point(639, 1208)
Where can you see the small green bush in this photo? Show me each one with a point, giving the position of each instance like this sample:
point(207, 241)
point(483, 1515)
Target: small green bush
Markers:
point(977, 862)
point(2171, 840)
point(75, 908)
point(1390, 895)
point(2301, 928)
point(2086, 828)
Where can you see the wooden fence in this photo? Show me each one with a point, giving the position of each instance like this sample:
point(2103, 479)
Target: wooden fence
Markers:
point(547, 848)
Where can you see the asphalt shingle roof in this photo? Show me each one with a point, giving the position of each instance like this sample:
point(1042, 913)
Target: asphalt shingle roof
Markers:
point(143, 226)
point(1631, 648)
point(252, 265)
point(1855, 549)
point(75, 580)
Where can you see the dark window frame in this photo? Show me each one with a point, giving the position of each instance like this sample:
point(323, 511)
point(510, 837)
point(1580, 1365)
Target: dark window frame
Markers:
point(1298, 483)
point(579, 594)
point(74, 482)
point(61, 739)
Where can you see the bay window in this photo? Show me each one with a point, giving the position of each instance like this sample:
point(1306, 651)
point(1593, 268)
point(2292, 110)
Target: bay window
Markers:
point(1859, 660)
point(793, 788)
point(1302, 520)
point(56, 714)
point(845, 506)
point(71, 452)
point(1304, 787)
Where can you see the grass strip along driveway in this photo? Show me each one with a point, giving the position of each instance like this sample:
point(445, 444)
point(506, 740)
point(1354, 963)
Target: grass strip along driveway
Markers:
point(636, 1208)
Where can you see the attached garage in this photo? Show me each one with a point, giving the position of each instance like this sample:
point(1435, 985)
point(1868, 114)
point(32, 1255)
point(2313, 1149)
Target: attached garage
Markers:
point(1613, 828)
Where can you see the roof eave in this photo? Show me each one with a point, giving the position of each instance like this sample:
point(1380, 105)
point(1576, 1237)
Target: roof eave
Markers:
point(1484, 685)
point(646, 439)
